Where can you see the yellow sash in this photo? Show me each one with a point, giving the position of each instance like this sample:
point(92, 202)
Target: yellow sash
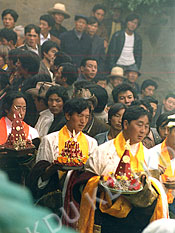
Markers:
point(165, 161)
point(137, 160)
point(120, 208)
point(64, 136)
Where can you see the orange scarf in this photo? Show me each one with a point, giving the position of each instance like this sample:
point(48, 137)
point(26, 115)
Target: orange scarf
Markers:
point(166, 161)
point(3, 131)
point(137, 160)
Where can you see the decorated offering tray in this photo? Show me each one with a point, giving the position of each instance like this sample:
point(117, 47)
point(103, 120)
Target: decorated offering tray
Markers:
point(121, 184)
point(17, 144)
point(71, 157)
point(124, 181)
point(169, 185)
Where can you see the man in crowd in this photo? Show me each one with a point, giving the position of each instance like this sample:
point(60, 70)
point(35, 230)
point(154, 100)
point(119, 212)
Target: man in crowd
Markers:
point(66, 76)
point(132, 73)
point(48, 50)
point(167, 105)
point(165, 153)
point(8, 37)
point(99, 11)
point(125, 48)
point(59, 13)
point(9, 18)
point(20, 35)
point(148, 88)
point(46, 24)
point(118, 214)
point(32, 34)
point(76, 42)
point(98, 50)
point(124, 94)
point(89, 68)
point(14, 101)
point(115, 78)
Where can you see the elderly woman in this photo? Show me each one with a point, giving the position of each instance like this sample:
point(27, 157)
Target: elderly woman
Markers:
point(115, 115)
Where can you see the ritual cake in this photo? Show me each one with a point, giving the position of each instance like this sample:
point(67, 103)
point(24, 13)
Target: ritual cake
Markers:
point(123, 180)
point(71, 155)
point(17, 140)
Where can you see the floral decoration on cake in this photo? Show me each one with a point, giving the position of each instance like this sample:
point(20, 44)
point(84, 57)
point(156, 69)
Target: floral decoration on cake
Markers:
point(17, 138)
point(123, 179)
point(71, 155)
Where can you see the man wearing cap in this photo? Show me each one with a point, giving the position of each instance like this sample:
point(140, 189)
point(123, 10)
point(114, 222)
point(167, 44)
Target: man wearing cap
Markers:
point(116, 77)
point(165, 153)
point(59, 13)
point(119, 214)
point(132, 73)
point(76, 42)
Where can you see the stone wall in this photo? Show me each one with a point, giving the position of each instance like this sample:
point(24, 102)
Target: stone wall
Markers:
point(158, 35)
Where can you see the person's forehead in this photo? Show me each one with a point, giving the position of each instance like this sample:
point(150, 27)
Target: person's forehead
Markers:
point(81, 20)
point(143, 118)
point(93, 62)
point(93, 24)
point(54, 96)
point(100, 11)
point(8, 15)
point(43, 21)
point(170, 99)
point(150, 87)
point(32, 31)
point(19, 100)
point(124, 93)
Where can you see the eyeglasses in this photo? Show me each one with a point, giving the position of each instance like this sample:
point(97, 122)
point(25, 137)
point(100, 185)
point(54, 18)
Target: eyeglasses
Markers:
point(18, 108)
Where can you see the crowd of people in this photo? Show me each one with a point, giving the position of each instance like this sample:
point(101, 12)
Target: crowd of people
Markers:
point(82, 84)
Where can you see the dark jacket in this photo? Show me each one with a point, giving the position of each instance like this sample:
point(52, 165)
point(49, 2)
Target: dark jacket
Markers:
point(98, 51)
point(115, 49)
point(75, 47)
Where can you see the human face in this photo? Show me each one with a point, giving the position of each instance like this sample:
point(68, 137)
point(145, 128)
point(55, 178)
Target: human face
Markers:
point(99, 15)
point(19, 105)
point(55, 104)
point(50, 55)
point(92, 29)
point(149, 91)
point(116, 120)
point(169, 104)
point(80, 25)
point(45, 28)
point(8, 21)
point(20, 40)
point(154, 106)
point(58, 17)
point(32, 38)
point(163, 130)
point(90, 69)
point(116, 81)
point(77, 121)
point(126, 98)
point(132, 76)
point(136, 130)
point(132, 25)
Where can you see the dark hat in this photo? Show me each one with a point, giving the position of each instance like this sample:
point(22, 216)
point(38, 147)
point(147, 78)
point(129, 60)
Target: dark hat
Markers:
point(132, 68)
point(77, 17)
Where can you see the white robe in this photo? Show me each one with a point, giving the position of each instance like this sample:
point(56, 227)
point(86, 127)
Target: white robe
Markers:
point(105, 159)
point(49, 146)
